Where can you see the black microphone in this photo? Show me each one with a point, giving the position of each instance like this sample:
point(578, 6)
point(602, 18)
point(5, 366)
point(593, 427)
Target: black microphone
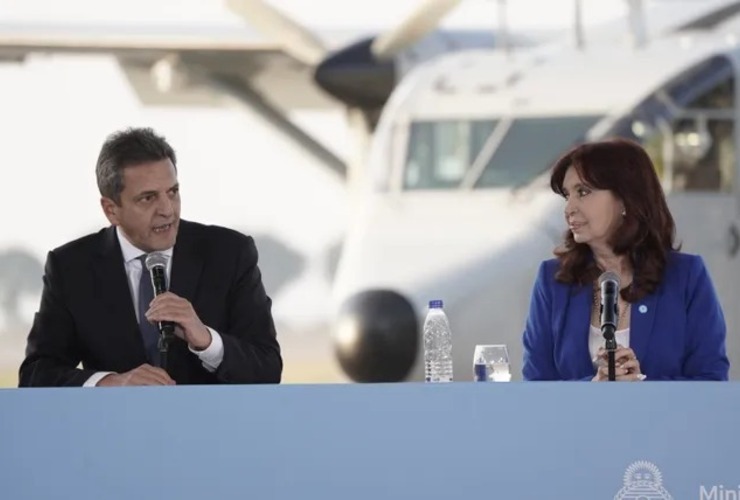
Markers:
point(156, 263)
point(609, 286)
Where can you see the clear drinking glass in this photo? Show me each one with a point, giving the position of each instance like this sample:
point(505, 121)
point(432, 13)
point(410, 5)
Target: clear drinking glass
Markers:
point(491, 363)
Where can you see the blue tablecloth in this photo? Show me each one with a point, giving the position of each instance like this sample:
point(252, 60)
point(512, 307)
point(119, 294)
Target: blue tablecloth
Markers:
point(452, 441)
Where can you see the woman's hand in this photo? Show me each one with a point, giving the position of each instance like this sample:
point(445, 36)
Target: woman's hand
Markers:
point(626, 366)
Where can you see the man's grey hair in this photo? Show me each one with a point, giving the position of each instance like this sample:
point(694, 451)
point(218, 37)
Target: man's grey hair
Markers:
point(128, 148)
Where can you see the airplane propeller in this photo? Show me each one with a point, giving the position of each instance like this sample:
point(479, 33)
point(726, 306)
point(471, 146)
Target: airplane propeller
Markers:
point(423, 20)
point(361, 75)
point(299, 42)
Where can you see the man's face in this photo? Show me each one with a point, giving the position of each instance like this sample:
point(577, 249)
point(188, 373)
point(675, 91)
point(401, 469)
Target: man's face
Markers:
point(149, 211)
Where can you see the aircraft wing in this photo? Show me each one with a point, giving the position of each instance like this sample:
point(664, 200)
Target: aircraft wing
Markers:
point(269, 63)
point(180, 65)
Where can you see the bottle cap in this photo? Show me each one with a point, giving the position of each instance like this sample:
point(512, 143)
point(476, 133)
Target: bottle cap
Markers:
point(435, 304)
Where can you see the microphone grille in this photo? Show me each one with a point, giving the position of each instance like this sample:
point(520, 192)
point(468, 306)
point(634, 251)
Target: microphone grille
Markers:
point(609, 276)
point(155, 259)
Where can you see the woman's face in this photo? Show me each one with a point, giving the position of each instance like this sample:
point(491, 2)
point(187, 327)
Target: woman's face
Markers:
point(592, 214)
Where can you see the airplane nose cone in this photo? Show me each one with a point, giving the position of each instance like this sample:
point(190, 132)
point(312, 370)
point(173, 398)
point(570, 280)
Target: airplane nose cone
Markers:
point(376, 337)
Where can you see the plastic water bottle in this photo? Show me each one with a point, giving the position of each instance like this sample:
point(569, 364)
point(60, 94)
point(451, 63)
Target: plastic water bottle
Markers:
point(437, 344)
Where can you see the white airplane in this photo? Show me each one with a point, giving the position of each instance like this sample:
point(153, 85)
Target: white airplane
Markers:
point(284, 67)
point(270, 63)
point(458, 205)
point(259, 58)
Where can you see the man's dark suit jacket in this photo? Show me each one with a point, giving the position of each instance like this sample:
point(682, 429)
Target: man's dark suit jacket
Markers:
point(87, 313)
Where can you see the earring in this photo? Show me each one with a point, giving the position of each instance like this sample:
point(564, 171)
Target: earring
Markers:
point(624, 213)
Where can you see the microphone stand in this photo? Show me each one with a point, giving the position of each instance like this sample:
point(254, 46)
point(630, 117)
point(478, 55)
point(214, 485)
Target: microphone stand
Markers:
point(611, 347)
point(609, 284)
point(608, 329)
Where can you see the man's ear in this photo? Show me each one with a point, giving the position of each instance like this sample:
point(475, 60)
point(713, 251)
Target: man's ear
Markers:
point(110, 209)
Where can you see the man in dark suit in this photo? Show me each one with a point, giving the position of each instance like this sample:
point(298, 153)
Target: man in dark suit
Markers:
point(98, 306)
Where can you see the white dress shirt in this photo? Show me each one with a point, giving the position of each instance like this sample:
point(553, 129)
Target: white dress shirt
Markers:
point(211, 357)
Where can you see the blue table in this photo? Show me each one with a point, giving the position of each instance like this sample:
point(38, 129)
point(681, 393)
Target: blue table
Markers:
point(453, 441)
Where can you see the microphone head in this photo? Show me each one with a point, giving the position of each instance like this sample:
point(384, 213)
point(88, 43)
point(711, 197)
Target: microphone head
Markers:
point(609, 276)
point(155, 259)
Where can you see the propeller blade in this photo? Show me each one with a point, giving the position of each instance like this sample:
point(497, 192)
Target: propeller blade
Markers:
point(295, 39)
point(423, 20)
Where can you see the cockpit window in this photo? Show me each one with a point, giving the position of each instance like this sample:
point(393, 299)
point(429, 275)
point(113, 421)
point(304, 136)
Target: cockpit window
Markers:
point(488, 153)
point(688, 128)
point(530, 147)
point(441, 152)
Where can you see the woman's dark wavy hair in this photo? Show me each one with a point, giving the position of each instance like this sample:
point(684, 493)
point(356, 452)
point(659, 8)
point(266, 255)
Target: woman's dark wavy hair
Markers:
point(648, 231)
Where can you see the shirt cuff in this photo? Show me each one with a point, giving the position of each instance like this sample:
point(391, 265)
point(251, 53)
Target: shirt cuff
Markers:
point(212, 355)
point(95, 378)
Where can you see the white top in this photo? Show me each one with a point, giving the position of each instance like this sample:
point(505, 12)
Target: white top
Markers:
point(211, 357)
point(596, 340)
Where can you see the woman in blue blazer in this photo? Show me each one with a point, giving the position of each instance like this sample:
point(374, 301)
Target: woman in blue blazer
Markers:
point(670, 324)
